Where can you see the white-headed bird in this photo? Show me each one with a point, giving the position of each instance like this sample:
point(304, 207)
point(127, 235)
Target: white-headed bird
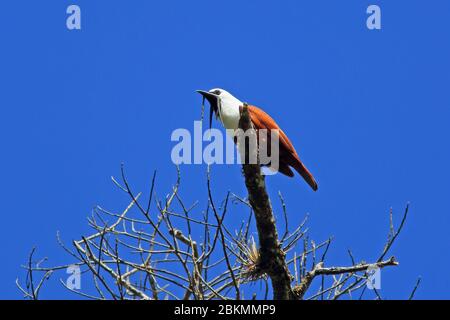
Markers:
point(226, 107)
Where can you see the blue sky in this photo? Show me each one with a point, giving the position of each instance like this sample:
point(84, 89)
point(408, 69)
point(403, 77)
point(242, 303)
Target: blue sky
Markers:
point(368, 112)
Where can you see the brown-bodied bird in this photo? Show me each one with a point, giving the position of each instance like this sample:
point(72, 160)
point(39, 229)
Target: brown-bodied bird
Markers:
point(226, 108)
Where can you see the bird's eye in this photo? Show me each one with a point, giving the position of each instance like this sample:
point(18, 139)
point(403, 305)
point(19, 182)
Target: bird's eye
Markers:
point(217, 92)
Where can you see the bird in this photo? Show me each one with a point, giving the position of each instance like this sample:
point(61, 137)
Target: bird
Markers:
point(226, 108)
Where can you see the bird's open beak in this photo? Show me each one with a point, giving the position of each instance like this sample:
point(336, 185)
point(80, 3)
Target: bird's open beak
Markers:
point(213, 100)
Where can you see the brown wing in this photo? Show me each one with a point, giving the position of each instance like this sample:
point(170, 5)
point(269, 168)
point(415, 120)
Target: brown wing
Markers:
point(288, 155)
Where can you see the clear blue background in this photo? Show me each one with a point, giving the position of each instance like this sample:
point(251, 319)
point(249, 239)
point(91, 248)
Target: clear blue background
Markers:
point(368, 112)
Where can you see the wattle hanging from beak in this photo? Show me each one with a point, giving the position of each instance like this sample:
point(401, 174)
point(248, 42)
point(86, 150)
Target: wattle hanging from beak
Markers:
point(213, 100)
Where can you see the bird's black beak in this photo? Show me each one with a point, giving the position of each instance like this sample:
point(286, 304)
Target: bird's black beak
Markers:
point(213, 100)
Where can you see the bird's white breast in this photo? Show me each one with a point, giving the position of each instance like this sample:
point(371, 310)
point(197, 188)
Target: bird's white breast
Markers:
point(229, 112)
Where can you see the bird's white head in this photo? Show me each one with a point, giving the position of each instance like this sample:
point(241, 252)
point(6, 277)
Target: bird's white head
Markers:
point(224, 105)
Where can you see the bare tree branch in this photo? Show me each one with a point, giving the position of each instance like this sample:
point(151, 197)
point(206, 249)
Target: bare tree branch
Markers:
point(272, 259)
point(173, 251)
